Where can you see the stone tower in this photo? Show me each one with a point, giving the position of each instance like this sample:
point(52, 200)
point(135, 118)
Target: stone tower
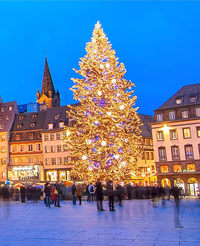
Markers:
point(48, 95)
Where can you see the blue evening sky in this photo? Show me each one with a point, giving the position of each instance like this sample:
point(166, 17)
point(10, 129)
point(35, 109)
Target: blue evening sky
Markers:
point(158, 41)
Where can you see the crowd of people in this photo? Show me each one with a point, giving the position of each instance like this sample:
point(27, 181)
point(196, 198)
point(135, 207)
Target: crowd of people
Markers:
point(53, 193)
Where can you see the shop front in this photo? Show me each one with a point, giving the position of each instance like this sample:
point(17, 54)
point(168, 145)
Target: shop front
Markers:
point(24, 173)
point(57, 175)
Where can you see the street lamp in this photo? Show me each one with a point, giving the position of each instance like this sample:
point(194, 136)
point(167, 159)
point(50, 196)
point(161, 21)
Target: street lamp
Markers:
point(149, 171)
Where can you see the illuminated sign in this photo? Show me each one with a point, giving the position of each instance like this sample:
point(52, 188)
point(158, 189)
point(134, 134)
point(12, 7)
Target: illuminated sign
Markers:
point(23, 168)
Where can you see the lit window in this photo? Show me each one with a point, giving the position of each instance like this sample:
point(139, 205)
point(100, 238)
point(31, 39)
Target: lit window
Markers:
point(7, 117)
point(30, 159)
point(198, 132)
point(46, 137)
point(32, 124)
point(198, 112)
point(47, 161)
point(46, 149)
point(160, 135)
point(179, 100)
point(57, 136)
point(17, 137)
point(2, 109)
point(30, 135)
point(19, 126)
point(51, 136)
point(164, 169)
point(189, 152)
point(10, 108)
point(185, 114)
point(175, 153)
point(21, 117)
point(61, 124)
point(34, 116)
point(177, 168)
point(1, 126)
point(173, 134)
point(162, 153)
point(3, 149)
point(159, 117)
point(3, 161)
point(3, 138)
point(14, 148)
point(172, 115)
point(191, 167)
point(23, 160)
point(186, 133)
point(146, 155)
point(50, 126)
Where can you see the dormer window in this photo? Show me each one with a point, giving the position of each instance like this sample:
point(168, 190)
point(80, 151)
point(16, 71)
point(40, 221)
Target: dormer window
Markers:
point(21, 117)
point(57, 116)
point(10, 108)
point(7, 117)
point(61, 124)
point(2, 109)
point(185, 114)
point(32, 124)
point(193, 99)
point(159, 117)
point(34, 116)
point(50, 126)
point(17, 137)
point(19, 126)
point(179, 100)
point(1, 126)
point(30, 135)
point(1, 117)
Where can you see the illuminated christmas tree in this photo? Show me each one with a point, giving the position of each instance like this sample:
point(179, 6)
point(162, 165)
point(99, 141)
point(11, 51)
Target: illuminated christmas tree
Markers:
point(106, 136)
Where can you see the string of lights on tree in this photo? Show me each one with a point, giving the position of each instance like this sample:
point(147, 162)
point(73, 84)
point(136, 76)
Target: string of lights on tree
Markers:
point(106, 137)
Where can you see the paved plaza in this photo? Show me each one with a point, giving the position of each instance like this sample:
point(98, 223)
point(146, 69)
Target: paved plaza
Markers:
point(136, 223)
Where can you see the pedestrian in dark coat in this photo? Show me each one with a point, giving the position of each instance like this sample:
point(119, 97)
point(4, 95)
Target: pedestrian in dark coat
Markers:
point(47, 191)
point(23, 193)
point(99, 195)
point(74, 190)
point(110, 194)
point(120, 194)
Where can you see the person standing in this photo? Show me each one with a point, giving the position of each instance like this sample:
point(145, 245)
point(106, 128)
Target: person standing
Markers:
point(99, 195)
point(74, 190)
point(110, 194)
point(47, 191)
point(23, 193)
point(79, 193)
point(92, 192)
point(53, 195)
point(58, 188)
point(44, 194)
point(120, 194)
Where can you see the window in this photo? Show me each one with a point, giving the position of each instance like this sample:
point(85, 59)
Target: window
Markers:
point(3, 138)
point(3, 175)
point(51, 136)
point(32, 124)
point(14, 148)
point(160, 135)
point(64, 148)
point(143, 155)
point(50, 126)
point(147, 142)
point(177, 168)
point(193, 99)
point(175, 152)
point(198, 131)
point(21, 148)
point(61, 124)
point(34, 116)
point(185, 114)
point(38, 146)
point(10, 108)
point(30, 147)
point(59, 148)
point(21, 117)
point(172, 115)
point(47, 161)
point(191, 167)
point(197, 112)
point(19, 126)
point(30, 159)
point(179, 100)
point(7, 117)
point(162, 153)
point(57, 136)
point(147, 155)
point(1, 126)
point(2, 109)
point(53, 161)
point(17, 137)
point(46, 149)
point(23, 160)
point(59, 160)
point(52, 149)
point(46, 137)
point(173, 134)
point(30, 135)
point(65, 160)
point(164, 169)
point(189, 152)
point(3, 149)
point(3, 161)
point(159, 117)
point(186, 133)
point(151, 156)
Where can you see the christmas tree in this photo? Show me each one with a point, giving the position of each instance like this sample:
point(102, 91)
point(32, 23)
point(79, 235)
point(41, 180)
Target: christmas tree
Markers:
point(106, 136)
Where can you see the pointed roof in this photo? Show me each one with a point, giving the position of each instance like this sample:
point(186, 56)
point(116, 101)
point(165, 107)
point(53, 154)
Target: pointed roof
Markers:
point(47, 84)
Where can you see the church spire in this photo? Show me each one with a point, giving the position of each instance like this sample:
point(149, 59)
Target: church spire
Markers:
point(48, 94)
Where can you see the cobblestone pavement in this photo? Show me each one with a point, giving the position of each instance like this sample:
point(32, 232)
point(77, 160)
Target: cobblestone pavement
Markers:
point(136, 223)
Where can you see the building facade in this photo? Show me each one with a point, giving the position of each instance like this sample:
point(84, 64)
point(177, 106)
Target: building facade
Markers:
point(7, 115)
point(176, 136)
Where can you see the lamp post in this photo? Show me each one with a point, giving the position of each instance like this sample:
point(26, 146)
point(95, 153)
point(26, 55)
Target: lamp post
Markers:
point(149, 171)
